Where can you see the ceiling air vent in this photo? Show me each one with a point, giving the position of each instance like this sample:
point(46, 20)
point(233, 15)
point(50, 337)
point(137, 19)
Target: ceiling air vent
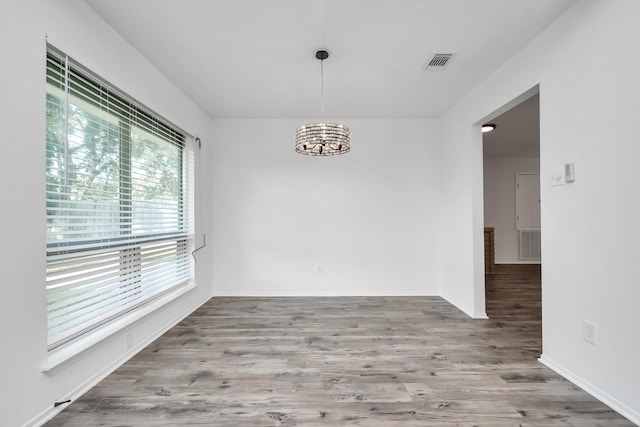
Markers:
point(439, 61)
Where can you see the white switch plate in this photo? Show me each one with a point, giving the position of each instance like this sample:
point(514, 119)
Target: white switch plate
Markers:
point(557, 177)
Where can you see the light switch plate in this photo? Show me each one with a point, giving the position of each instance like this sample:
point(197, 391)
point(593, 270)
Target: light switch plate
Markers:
point(557, 177)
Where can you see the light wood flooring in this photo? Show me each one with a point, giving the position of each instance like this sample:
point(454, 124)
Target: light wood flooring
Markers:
point(361, 361)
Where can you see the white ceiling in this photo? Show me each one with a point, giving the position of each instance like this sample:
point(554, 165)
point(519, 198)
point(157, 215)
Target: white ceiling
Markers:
point(256, 58)
point(517, 133)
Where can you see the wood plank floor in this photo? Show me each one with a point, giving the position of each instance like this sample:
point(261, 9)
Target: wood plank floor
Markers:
point(365, 361)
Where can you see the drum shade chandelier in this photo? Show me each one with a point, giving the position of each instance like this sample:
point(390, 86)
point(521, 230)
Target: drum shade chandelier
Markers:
point(323, 139)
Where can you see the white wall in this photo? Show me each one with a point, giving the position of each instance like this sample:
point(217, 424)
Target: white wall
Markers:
point(408, 195)
point(369, 217)
point(591, 227)
point(500, 202)
point(461, 234)
point(27, 395)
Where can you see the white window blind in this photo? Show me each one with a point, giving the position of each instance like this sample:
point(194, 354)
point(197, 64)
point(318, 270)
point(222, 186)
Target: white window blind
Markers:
point(119, 183)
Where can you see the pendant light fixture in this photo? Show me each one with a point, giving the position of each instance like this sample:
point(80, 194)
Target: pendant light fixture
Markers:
point(323, 139)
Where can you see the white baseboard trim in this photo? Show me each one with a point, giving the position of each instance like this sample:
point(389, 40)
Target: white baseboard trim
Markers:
point(627, 412)
point(510, 262)
point(81, 389)
point(312, 294)
point(478, 315)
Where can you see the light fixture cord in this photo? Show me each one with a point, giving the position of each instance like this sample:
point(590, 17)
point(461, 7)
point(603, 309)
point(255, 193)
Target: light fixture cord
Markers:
point(322, 86)
point(202, 211)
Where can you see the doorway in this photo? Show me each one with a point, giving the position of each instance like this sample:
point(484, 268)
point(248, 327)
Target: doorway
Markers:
point(511, 189)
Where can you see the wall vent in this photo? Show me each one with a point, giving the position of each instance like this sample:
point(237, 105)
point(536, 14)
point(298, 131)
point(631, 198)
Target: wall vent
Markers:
point(529, 247)
point(439, 61)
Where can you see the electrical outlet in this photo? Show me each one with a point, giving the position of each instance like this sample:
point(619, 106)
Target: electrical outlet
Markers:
point(320, 270)
point(589, 332)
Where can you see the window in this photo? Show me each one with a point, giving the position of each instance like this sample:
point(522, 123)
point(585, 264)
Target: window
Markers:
point(118, 188)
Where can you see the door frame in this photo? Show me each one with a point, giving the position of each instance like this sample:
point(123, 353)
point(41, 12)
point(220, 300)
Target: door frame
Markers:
point(478, 199)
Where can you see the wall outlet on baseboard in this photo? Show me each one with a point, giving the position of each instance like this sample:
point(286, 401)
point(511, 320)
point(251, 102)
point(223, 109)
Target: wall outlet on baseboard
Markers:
point(589, 332)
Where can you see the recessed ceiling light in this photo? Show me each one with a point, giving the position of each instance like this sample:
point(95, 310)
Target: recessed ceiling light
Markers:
point(488, 127)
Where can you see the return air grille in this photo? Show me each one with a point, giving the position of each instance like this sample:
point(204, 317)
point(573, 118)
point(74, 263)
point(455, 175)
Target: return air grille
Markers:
point(439, 61)
point(529, 248)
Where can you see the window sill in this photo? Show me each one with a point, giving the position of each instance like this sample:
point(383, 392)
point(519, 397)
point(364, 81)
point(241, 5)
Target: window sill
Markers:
point(59, 357)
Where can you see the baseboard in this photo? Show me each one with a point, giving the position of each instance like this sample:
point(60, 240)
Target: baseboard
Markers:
point(627, 412)
point(313, 294)
point(76, 393)
point(517, 262)
point(466, 310)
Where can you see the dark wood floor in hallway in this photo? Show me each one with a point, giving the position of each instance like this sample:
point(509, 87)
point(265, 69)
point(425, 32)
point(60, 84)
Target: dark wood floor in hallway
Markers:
point(362, 361)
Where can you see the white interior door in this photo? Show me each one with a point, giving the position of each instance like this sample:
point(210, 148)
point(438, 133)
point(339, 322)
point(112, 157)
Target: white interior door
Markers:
point(527, 200)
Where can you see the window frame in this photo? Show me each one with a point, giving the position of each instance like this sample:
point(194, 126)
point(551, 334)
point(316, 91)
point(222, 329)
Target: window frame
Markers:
point(128, 244)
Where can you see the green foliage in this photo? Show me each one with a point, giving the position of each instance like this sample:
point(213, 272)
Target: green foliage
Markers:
point(106, 176)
